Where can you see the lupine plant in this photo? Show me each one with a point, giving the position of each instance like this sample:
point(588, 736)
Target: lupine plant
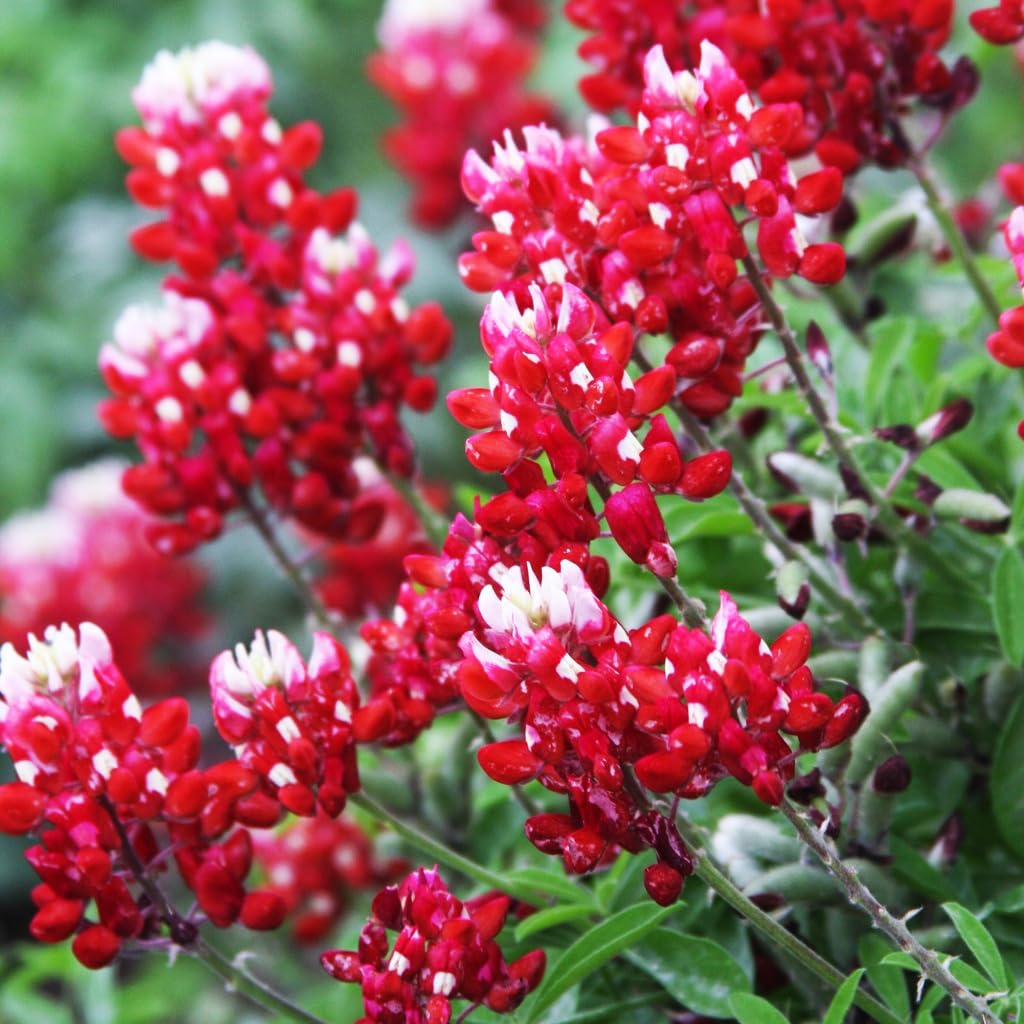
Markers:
point(686, 684)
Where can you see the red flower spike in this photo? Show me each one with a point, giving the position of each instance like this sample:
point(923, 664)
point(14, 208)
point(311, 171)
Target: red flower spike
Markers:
point(445, 950)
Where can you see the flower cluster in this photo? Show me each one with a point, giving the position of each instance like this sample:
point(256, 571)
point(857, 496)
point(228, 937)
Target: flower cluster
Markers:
point(1006, 345)
point(852, 67)
point(286, 350)
point(643, 219)
point(560, 388)
point(445, 950)
point(289, 722)
point(315, 865)
point(84, 557)
point(456, 71)
point(119, 788)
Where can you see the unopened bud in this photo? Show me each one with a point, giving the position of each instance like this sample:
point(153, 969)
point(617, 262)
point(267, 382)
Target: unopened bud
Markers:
point(635, 521)
point(903, 435)
point(974, 506)
point(818, 350)
point(792, 589)
point(892, 775)
point(945, 422)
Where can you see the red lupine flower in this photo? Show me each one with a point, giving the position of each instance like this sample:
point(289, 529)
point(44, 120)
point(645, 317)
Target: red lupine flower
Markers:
point(445, 950)
point(85, 750)
point(287, 350)
point(1001, 25)
point(289, 722)
point(642, 219)
point(84, 557)
point(1006, 345)
point(824, 59)
point(456, 71)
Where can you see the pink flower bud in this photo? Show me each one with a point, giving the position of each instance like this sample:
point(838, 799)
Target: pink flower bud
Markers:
point(635, 521)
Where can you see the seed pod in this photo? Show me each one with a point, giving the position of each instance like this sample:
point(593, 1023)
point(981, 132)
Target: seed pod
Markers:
point(960, 503)
point(901, 689)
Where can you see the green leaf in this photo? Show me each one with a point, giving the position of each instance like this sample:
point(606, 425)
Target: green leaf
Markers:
point(552, 884)
point(968, 976)
point(843, 999)
point(978, 940)
point(887, 980)
point(1008, 604)
point(698, 973)
point(748, 1009)
point(594, 949)
point(1006, 781)
point(550, 917)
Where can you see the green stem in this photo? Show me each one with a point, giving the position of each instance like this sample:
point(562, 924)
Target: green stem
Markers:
point(445, 854)
point(310, 598)
point(758, 514)
point(954, 237)
point(247, 986)
point(434, 524)
point(778, 935)
point(860, 895)
point(887, 517)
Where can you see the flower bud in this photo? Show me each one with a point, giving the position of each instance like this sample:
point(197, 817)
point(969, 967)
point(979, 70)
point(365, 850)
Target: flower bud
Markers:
point(663, 883)
point(892, 775)
point(636, 524)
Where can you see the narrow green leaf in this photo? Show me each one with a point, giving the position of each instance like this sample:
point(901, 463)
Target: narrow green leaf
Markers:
point(552, 884)
point(968, 976)
point(843, 999)
point(902, 960)
point(1006, 780)
point(1008, 604)
point(550, 917)
point(979, 941)
point(698, 973)
point(749, 1009)
point(888, 981)
point(597, 947)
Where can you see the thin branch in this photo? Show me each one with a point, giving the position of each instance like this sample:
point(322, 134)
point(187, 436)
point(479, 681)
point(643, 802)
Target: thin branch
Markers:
point(257, 992)
point(310, 598)
point(185, 934)
point(758, 514)
point(434, 524)
point(886, 515)
point(780, 937)
point(445, 854)
point(884, 921)
point(954, 237)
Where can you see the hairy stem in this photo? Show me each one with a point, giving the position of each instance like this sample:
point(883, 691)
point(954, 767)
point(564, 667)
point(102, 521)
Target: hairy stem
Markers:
point(445, 854)
point(777, 934)
point(310, 598)
point(887, 516)
point(435, 525)
point(257, 992)
point(884, 921)
point(185, 934)
point(758, 514)
point(919, 168)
